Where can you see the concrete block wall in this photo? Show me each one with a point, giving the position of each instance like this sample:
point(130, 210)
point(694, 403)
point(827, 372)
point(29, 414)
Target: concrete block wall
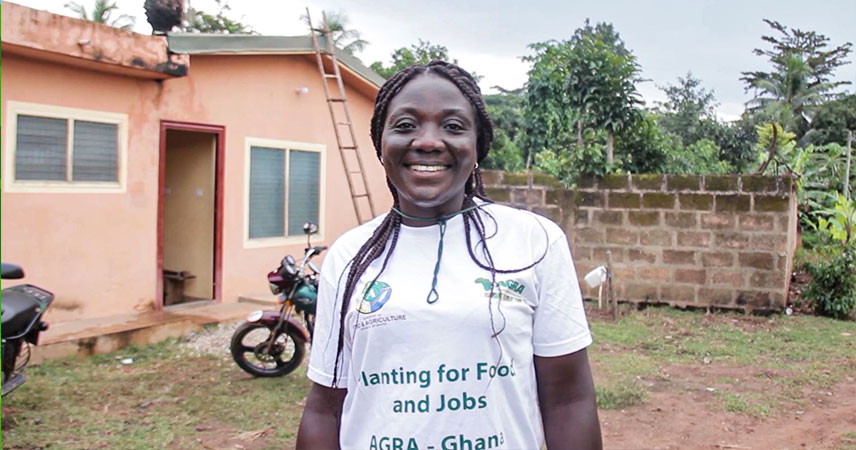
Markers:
point(721, 241)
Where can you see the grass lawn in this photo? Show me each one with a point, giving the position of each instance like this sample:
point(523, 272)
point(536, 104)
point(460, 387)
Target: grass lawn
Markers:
point(734, 366)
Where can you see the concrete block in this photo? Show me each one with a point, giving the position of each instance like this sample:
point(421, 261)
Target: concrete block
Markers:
point(717, 259)
point(644, 218)
point(715, 296)
point(624, 200)
point(664, 238)
point(655, 200)
point(693, 276)
point(679, 256)
point(756, 222)
point(621, 236)
point(756, 260)
point(680, 219)
point(733, 203)
point(720, 183)
point(683, 182)
point(647, 182)
point(769, 203)
point(717, 221)
point(730, 239)
point(609, 217)
point(702, 202)
point(614, 182)
point(694, 239)
point(726, 277)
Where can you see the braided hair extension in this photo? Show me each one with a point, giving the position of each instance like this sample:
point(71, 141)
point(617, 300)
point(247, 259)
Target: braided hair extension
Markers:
point(386, 234)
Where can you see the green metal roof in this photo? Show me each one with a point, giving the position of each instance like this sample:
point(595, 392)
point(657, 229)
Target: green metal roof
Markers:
point(221, 44)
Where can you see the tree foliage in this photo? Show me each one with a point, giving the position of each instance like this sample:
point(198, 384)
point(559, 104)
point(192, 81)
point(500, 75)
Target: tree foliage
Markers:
point(506, 111)
point(102, 12)
point(198, 21)
point(344, 37)
point(832, 120)
point(587, 81)
point(689, 110)
point(421, 53)
point(801, 77)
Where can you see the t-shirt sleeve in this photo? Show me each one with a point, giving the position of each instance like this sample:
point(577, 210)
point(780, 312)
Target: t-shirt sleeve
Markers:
point(560, 325)
point(322, 359)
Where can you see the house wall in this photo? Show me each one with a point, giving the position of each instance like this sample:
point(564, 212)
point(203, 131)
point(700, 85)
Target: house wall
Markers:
point(98, 252)
point(684, 240)
point(95, 251)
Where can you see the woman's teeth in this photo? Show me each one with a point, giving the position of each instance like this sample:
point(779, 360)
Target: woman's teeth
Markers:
point(422, 168)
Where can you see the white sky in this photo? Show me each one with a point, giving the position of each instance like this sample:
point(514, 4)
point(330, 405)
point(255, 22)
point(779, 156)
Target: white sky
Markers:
point(712, 38)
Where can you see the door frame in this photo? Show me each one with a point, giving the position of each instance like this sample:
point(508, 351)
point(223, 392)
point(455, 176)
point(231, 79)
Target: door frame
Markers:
point(219, 154)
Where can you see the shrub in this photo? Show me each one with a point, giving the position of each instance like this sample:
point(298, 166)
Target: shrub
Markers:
point(833, 287)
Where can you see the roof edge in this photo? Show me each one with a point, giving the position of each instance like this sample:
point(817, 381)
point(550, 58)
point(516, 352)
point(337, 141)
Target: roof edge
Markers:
point(248, 44)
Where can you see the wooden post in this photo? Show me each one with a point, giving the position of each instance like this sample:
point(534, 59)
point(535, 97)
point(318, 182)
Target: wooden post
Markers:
point(613, 302)
point(847, 169)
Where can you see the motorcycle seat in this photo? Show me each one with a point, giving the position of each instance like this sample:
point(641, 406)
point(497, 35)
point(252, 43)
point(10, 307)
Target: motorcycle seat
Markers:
point(21, 306)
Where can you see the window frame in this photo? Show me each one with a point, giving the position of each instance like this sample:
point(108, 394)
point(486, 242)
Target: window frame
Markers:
point(285, 146)
point(16, 108)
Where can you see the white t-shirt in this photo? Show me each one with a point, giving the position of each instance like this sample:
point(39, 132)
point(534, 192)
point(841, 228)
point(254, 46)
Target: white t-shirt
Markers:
point(431, 376)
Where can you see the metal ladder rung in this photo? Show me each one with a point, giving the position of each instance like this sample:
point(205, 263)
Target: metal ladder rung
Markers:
point(336, 99)
point(330, 75)
point(348, 147)
point(344, 123)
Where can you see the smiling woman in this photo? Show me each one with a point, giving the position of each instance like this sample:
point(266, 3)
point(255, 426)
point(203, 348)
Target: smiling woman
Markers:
point(445, 238)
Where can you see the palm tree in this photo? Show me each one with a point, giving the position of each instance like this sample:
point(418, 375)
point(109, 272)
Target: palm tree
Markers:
point(101, 12)
point(344, 38)
point(788, 96)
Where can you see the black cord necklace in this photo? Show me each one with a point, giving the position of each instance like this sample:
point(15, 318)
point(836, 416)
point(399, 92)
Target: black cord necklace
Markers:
point(433, 296)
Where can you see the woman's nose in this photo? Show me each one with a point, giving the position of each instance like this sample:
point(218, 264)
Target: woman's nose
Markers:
point(428, 139)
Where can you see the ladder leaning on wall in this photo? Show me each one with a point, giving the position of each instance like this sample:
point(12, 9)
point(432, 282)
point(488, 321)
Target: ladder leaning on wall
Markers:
point(348, 149)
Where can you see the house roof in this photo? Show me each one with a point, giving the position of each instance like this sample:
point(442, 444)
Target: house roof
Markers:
point(244, 44)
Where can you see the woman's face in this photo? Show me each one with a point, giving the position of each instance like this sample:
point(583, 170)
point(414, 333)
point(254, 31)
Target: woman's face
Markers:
point(429, 146)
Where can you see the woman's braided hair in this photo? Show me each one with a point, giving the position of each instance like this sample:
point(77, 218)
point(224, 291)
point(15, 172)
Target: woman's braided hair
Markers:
point(387, 232)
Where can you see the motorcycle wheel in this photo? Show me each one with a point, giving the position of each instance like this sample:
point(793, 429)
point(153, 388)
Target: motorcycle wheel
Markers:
point(249, 350)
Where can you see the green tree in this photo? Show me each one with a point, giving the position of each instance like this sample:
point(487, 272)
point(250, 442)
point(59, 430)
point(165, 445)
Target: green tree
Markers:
point(589, 80)
point(102, 12)
point(421, 53)
point(689, 110)
point(506, 111)
point(198, 21)
point(832, 120)
point(345, 38)
point(801, 77)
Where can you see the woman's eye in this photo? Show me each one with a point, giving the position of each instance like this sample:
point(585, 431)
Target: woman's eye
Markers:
point(454, 126)
point(403, 126)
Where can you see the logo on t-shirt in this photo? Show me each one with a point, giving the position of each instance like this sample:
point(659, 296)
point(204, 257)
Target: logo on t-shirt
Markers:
point(503, 290)
point(375, 295)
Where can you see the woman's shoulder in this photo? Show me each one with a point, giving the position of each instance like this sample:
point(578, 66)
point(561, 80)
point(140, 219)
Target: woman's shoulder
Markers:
point(350, 241)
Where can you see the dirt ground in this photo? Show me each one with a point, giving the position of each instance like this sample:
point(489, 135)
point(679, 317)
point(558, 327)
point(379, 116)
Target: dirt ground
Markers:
point(678, 415)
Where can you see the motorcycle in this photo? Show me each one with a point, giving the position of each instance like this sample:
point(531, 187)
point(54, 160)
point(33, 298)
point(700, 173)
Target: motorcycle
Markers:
point(273, 343)
point(22, 309)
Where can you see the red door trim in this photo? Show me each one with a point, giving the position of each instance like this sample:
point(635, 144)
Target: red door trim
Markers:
point(220, 131)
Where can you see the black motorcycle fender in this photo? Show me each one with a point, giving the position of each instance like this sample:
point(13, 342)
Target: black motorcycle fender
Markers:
point(271, 318)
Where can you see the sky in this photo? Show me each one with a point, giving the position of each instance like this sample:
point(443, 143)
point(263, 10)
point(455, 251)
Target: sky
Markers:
point(713, 39)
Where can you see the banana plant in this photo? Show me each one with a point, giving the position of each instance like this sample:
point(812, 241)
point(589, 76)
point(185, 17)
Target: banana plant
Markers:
point(839, 221)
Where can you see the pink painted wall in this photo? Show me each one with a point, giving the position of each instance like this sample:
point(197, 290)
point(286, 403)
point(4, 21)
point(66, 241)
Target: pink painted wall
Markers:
point(97, 252)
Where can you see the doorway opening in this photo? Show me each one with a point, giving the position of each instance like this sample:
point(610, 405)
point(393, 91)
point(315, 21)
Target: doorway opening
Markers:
point(190, 204)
